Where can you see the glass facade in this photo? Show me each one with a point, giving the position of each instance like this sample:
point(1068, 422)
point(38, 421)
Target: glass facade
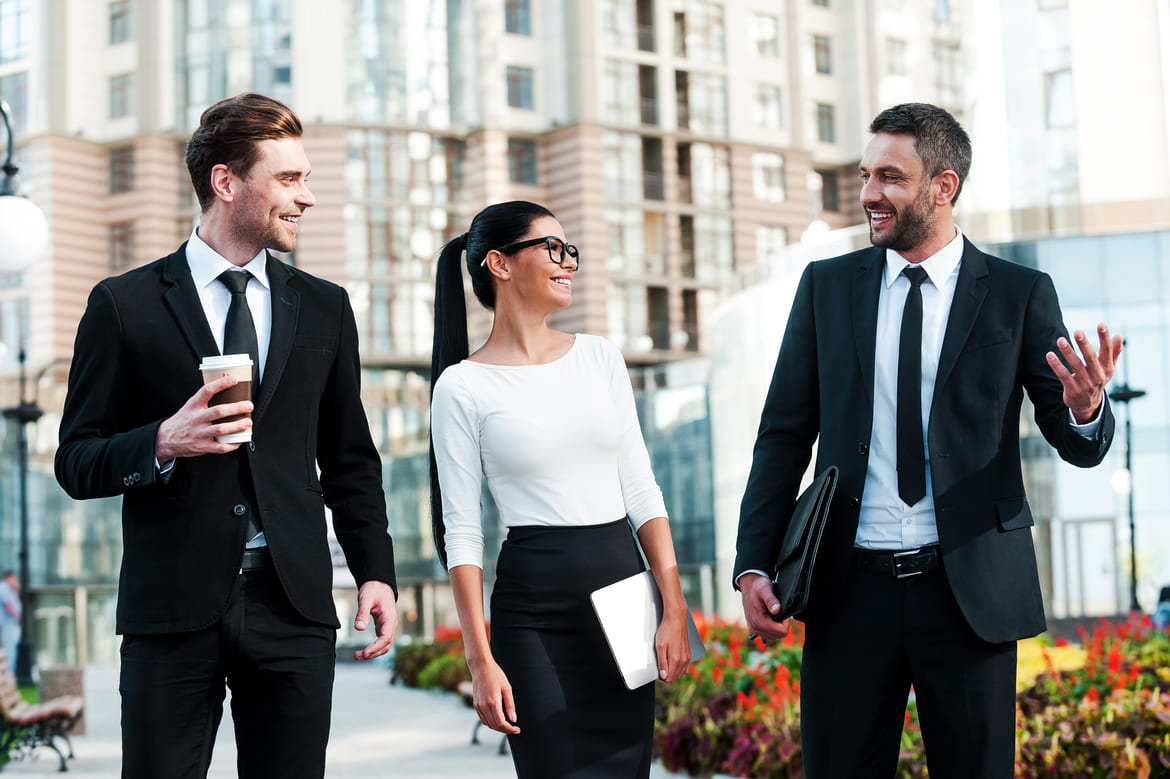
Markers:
point(1082, 515)
point(14, 31)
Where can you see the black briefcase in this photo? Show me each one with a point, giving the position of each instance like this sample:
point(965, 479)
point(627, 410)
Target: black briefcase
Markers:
point(792, 577)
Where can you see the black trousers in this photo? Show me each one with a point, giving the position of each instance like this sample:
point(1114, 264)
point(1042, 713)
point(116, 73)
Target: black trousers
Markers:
point(279, 667)
point(577, 720)
point(860, 661)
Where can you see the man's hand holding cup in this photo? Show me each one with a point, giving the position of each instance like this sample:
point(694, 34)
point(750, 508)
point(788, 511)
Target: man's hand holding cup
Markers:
point(217, 418)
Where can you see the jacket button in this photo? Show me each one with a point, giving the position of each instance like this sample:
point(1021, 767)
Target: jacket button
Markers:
point(240, 510)
point(854, 502)
point(863, 449)
point(126, 481)
point(251, 446)
point(135, 478)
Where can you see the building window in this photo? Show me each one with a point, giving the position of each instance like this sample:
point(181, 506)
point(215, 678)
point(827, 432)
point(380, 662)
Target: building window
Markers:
point(623, 166)
point(942, 11)
point(704, 172)
point(895, 57)
point(698, 32)
point(622, 87)
point(121, 21)
point(765, 30)
point(520, 87)
point(826, 123)
point(947, 72)
point(830, 191)
point(521, 161)
point(822, 54)
point(14, 89)
point(1060, 102)
point(121, 246)
point(618, 24)
point(121, 95)
point(821, 3)
point(770, 240)
point(121, 169)
point(690, 300)
point(713, 248)
point(653, 187)
point(14, 32)
point(517, 18)
point(768, 176)
point(702, 102)
point(769, 113)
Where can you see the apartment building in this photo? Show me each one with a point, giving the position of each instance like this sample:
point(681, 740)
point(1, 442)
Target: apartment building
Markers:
point(682, 144)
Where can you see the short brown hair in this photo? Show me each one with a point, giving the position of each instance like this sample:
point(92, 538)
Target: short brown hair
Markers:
point(939, 139)
point(228, 134)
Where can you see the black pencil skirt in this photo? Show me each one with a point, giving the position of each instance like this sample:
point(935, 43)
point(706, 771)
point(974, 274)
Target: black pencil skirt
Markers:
point(577, 719)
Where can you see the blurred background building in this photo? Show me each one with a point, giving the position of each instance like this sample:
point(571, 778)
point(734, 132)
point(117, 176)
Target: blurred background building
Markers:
point(698, 151)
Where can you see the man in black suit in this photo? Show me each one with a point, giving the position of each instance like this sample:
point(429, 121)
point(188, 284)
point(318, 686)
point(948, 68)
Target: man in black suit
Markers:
point(226, 571)
point(911, 384)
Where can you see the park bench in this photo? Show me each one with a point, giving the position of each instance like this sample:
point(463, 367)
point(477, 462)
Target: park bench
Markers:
point(465, 691)
point(26, 726)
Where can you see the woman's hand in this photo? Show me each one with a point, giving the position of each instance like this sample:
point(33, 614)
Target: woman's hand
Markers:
point(672, 646)
point(492, 697)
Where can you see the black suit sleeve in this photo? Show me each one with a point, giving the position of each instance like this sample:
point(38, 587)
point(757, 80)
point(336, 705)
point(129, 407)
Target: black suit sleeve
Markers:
point(101, 453)
point(351, 469)
point(1043, 326)
point(789, 425)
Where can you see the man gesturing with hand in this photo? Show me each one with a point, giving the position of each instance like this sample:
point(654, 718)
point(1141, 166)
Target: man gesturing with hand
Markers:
point(907, 364)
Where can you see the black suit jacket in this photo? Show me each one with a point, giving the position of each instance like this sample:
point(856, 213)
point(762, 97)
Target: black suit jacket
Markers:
point(1003, 320)
point(135, 362)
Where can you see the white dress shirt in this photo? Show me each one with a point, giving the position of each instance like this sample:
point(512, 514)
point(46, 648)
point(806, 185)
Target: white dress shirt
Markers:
point(885, 521)
point(206, 264)
point(559, 445)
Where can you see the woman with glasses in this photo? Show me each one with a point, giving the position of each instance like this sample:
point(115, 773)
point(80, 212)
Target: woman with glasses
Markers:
point(548, 419)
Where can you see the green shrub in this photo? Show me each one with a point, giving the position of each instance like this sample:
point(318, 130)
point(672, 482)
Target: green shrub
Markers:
point(444, 672)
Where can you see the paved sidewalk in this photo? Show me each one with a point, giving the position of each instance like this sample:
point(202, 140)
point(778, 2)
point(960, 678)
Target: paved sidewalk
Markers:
point(378, 731)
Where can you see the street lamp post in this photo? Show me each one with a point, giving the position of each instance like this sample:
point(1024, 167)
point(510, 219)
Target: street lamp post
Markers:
point(26, 235)
point(1123, 394)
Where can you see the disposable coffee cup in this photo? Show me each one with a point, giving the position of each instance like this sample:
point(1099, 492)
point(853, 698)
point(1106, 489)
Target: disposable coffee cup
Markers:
point(240, 366)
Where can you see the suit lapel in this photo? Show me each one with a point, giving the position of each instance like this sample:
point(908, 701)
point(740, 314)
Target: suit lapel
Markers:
point(286, 303)
point(970, 291)
point(181, 297)
point(866, 288)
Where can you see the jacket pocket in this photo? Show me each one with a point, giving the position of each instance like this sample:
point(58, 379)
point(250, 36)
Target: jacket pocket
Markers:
point(1014, 514)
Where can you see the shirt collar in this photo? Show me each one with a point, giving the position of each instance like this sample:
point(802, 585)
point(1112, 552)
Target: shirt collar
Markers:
point(206, 263)
point(939, 266)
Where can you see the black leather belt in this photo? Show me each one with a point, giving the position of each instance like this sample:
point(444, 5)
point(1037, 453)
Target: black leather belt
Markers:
point(897, 564)
point(256, 559)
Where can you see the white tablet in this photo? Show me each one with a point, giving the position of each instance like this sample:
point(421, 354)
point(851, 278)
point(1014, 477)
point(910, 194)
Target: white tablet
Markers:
point(629, 612)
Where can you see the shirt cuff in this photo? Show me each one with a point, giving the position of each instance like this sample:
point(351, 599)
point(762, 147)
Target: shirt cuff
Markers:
point(1089, 429)
point(165, 472)
point(745, 573)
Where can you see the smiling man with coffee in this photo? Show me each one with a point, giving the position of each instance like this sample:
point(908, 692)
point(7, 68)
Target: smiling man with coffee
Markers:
point(226, 573)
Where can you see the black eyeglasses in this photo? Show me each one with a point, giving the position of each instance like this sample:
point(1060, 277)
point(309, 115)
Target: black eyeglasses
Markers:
point(558, 250)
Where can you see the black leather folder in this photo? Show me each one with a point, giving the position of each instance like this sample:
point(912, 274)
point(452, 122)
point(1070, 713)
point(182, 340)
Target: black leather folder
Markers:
point(798, 553)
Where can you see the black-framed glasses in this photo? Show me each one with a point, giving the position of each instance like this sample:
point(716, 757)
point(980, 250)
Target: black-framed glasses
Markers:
point(558, 250)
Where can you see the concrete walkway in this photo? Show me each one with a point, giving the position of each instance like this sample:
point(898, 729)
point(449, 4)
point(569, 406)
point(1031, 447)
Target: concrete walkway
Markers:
point(378, 731)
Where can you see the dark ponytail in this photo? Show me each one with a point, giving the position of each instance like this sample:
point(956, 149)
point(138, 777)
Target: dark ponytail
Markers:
point(495, 226)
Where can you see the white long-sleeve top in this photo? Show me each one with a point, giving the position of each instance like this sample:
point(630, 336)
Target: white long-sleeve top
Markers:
point(559, 444)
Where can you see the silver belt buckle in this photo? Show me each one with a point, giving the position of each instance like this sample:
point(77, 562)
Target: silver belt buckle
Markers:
point(898, 574)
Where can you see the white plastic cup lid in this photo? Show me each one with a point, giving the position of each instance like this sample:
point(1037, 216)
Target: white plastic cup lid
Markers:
point(222, 361)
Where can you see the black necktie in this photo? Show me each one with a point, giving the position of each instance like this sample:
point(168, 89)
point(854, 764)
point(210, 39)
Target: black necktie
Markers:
point(911, 451)
point(239, 337)
point(239, 334)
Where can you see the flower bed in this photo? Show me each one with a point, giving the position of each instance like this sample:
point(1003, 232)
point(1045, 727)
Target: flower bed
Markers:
point(1098, 710)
